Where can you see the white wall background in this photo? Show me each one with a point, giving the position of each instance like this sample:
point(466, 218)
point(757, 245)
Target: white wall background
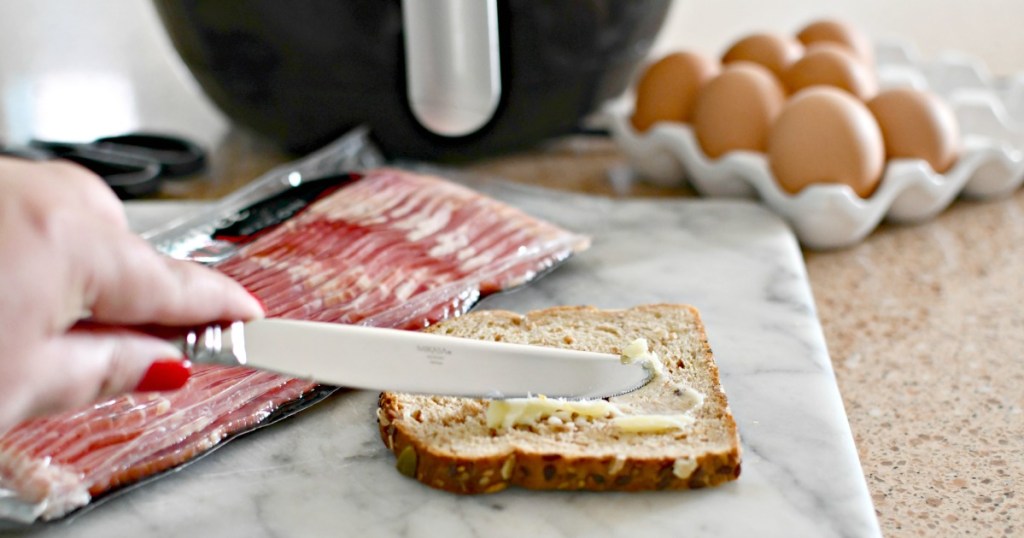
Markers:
point(992, 30)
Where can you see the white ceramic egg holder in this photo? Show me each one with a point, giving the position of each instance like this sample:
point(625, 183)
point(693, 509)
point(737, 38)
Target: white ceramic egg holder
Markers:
point(825, 216)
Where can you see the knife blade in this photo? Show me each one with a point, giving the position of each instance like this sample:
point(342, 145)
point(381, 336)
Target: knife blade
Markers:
point(414, 362)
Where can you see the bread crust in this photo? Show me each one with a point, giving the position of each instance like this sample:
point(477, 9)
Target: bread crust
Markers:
point(469, 474)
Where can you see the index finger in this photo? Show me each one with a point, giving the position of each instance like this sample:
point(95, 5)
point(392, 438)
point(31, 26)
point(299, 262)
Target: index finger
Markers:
point(133, 284)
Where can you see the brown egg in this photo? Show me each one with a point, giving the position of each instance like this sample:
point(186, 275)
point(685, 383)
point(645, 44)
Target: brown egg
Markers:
point(831, 65)
point(736, 109)
point(776, 52)
point(919, 125)
point(845, 34)
point(825, 135)
point(668, 88)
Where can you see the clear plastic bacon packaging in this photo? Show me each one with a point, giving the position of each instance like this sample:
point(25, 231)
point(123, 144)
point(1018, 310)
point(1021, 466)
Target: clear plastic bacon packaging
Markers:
point(333, 237)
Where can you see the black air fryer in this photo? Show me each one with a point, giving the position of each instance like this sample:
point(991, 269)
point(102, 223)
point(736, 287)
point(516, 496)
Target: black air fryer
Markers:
point(434, 79)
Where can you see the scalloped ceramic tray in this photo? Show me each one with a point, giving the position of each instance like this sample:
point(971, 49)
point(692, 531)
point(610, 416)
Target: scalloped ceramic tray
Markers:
point(990, 112)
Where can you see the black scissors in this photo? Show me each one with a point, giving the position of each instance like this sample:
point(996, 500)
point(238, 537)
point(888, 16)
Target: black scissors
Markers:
point(133, 164)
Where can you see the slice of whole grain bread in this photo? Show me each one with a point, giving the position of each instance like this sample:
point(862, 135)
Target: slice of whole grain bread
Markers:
point(445, 442)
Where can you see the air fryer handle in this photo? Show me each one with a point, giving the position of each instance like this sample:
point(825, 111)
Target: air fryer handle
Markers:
point(452, 63)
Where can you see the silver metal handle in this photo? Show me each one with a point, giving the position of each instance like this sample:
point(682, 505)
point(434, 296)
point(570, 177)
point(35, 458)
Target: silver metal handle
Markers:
point(452, 64)
point(215, 344)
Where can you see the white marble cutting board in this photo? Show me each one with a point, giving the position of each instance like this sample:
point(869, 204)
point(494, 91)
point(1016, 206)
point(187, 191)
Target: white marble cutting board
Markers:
point(326, 472)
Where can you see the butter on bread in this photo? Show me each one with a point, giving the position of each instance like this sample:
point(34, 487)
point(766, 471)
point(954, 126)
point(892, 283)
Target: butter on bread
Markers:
point(679, 432)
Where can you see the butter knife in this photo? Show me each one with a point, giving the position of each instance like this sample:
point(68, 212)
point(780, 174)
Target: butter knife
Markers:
point(409, 361)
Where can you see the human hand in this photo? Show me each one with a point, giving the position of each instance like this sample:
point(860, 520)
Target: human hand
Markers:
point(67, 255)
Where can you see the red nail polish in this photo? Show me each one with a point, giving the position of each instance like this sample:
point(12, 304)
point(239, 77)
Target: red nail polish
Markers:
point(165, 375)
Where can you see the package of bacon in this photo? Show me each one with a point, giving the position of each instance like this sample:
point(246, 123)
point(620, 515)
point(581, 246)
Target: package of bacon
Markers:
point(382, 247)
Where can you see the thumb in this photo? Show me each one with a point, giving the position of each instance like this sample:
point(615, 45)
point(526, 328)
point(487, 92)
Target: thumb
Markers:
point(87, 364)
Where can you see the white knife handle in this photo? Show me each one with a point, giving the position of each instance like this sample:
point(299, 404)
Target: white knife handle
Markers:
point(215, 344)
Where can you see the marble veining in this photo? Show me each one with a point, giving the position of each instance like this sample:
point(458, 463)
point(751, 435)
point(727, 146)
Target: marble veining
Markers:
point(325, 471)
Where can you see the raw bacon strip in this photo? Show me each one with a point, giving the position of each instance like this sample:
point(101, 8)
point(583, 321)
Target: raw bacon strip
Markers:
point(98, 452)
point(393, 249)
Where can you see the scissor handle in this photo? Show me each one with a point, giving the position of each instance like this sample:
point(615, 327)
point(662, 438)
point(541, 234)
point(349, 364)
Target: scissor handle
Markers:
point(128, 175)
point(177, 156)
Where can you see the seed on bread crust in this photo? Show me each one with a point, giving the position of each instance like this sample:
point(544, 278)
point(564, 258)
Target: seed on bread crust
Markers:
point(407, 461)
point(617, 464)
point(508, 466)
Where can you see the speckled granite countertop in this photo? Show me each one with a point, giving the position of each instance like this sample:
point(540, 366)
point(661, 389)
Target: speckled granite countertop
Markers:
point(926, 332)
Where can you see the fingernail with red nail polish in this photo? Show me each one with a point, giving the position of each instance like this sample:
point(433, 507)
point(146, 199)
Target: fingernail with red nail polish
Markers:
point(165, 375)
